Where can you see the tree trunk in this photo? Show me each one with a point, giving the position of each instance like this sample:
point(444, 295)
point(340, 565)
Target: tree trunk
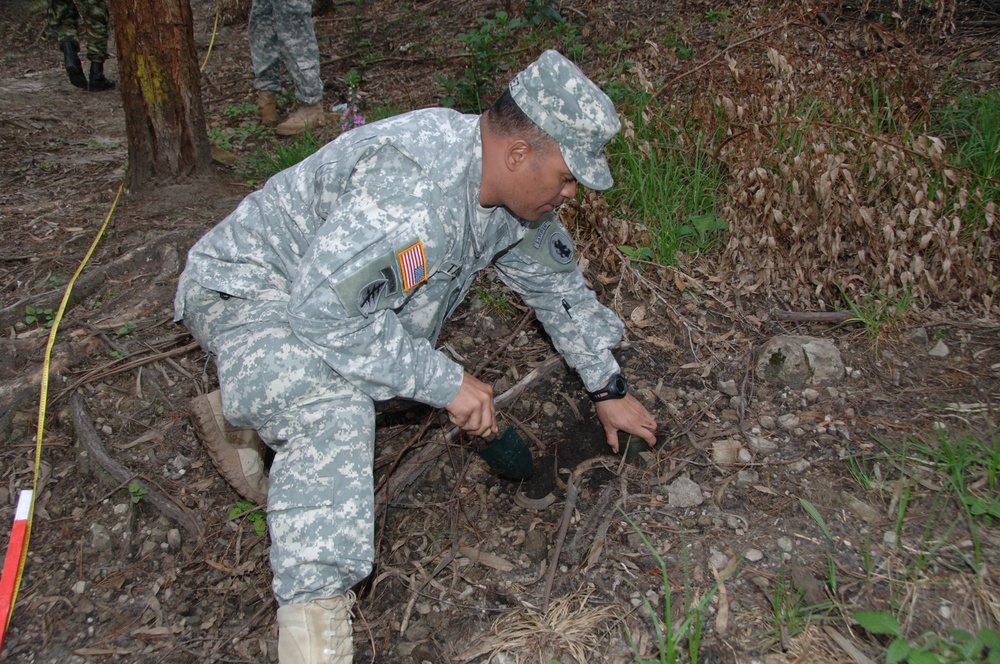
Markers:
point(159, 80)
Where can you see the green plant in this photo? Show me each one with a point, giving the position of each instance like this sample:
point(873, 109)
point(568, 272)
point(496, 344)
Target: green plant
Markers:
point(279, 156)
point(239, 110)
point(878, 313)
point(137, 491)
point(117, 354)
point(494, 301)
point(485, 48)
point(670, 637)
point(957, 647)
point(352, 116)
point(244, 509)
point(717, 15)
point(666, 179)
point(126, 328)
point(42, 316)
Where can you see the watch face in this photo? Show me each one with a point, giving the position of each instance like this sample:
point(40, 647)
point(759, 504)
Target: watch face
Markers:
point(620, 385)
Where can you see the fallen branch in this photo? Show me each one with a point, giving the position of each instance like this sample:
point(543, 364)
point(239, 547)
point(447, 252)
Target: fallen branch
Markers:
point(91, 440)
point(572, 491)
point(815, 316)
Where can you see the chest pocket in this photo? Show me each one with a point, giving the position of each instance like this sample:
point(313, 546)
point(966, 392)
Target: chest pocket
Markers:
point(550, 245)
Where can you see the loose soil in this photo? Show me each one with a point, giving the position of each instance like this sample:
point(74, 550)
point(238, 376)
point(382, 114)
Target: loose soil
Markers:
point(471, 567)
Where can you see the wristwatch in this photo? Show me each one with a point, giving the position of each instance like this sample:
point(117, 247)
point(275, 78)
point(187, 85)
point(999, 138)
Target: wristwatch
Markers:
point(616, 388)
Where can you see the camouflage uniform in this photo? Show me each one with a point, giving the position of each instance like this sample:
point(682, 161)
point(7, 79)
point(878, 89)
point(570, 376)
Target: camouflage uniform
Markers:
point(64, 21)
point(327, 289)
point(282, 31)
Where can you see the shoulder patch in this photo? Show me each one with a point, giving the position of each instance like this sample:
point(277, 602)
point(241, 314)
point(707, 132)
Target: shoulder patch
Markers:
point(413, 266)
point(550, 244)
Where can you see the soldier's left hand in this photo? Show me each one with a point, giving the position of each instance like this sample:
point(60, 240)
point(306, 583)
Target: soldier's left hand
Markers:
point(626, 414)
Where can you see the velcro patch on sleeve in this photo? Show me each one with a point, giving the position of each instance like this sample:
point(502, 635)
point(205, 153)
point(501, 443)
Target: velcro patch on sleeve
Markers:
point(550, 244)
point(413, 266)
point(369, 289)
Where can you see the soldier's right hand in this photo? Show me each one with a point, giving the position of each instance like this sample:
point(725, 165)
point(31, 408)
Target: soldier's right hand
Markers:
point(472, 408)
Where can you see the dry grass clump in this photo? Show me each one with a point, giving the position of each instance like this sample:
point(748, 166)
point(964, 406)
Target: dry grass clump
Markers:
point(828, 188)
point(570, 627)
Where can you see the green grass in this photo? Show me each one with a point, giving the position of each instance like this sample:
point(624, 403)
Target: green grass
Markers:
point(277, 156)
point(665, 176)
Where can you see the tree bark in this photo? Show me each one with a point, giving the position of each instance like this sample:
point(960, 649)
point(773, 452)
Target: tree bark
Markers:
point(159, 82)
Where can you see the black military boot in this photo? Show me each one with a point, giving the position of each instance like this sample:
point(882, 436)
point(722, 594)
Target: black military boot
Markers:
point(74, 68)
point(97, 80)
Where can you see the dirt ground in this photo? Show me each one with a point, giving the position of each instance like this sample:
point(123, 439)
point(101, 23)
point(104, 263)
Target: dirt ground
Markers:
point(471, 567)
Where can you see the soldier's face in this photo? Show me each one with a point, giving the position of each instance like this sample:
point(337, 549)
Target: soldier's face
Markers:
point(543, 183)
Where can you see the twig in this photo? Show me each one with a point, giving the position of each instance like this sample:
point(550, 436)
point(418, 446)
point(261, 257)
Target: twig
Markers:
point(572, 490)
point(103, 372)
point(814, 316)
point(87, 434)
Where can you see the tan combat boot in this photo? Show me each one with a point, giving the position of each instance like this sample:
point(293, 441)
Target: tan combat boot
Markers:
point(237, 452)
point(267, 107)
point(304, 117)
point(316, 632)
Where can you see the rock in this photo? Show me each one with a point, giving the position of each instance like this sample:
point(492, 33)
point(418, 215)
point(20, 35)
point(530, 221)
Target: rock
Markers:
point(747, 478)
point(718, 560)
point(810, 395)
point(724, 451)
point(536, 545)
point(101, 538)
point(753, 555)
point(917, 336)
point(939, 350)
point(788, 421)
point(889, 539)
point(174, 539)
point(766, 421)
point(785, 544)
point(728, 387)
point(798, 362)
point(761, 445)
point(684, 492)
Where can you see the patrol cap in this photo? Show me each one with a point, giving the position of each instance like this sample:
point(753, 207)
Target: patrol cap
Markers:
point(569, 107)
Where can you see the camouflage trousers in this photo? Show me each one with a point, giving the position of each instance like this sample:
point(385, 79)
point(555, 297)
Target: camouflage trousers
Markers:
point(282, 31)
point(320, 506)
point(64, 21)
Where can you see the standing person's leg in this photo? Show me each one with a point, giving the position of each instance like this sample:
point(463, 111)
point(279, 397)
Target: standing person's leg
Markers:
point(63, 21)
point(300, 53)
point(265, 55)
point(95, 20)
point(321, 500)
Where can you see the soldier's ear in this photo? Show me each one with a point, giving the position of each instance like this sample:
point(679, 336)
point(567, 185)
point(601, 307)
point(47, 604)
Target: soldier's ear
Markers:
point(517, 154)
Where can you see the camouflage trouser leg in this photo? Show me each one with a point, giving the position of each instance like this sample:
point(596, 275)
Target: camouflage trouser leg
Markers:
point(64, 18)
point(320, 507)
point(282, 31)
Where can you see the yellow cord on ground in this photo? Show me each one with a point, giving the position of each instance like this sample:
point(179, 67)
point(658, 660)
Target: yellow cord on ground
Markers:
point(215, 29)
point(43, 400)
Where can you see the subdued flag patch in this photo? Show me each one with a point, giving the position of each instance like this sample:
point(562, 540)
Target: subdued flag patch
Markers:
point(413, 265)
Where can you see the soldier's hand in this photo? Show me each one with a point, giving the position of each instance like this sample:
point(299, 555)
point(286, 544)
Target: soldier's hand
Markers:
point(628, 415)
point(472, 408)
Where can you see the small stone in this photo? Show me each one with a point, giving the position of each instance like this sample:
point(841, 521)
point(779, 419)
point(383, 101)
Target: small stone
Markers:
point(810, 395)
point(684, 492)
point(945, 612)
point(747, 477)
point(788, 421)
point(418, 631)
point(550, 409)
point(106, 430)
point(917, 336)
point(120, 508)
point(728, 387)
point(536, 545)
point(754, 555)
point(101, 538)
point(718, 560)
point(889, 539)
point(761, 445)
point(174, 539)
point(766, 421)
point(724, 451)
point(939, 350)
point(80, 587)
point(785, 544)
point(744, 456)
point(799, 466)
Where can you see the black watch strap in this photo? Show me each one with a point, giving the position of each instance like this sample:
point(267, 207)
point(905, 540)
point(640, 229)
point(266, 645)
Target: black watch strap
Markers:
point(616, 388)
